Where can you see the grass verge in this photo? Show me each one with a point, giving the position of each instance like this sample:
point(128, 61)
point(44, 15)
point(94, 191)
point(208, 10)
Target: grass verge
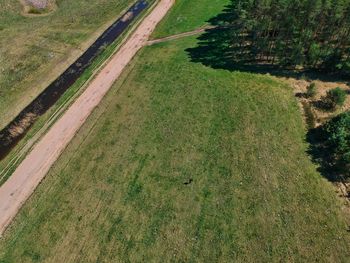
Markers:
point(35, 50)
point(9, 164)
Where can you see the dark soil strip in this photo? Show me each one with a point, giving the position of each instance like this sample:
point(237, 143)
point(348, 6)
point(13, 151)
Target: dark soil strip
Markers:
point(16, 130)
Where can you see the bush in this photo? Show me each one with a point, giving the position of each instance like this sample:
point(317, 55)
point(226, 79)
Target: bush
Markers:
point(311, 90)
point(304, 77)
point(335, 97)
point(337, 135)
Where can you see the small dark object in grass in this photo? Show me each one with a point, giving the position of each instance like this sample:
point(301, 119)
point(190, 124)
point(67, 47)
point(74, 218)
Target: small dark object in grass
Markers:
point(189, 181)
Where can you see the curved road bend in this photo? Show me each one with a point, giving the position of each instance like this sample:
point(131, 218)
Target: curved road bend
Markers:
point(19, 187)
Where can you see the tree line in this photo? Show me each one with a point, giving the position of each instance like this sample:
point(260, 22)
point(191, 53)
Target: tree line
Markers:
point(290, 33)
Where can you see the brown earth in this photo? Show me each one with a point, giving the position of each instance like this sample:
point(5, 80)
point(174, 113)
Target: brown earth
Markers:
point(314, 117)
point(40, 4)
point(320, 116)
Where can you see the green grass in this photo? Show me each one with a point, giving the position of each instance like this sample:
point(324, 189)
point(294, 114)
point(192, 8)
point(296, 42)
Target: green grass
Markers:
point(188, 15)
point(34, 50)
point(117, 194)
point(9, 163)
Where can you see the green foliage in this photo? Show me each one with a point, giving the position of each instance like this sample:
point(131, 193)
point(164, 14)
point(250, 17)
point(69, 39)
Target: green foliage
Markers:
point(337, 134)
point(290, 33)
point(311, 90)
point(345, 67)
point(335, 97)
point(304, 77)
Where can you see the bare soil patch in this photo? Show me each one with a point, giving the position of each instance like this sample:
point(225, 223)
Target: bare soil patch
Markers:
point(319, 115)
point(38, 7)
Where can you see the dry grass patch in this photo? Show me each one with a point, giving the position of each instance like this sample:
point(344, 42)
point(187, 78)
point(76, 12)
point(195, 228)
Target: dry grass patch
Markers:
point(319, 115)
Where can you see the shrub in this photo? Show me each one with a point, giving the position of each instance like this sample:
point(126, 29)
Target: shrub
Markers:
point(335, 97)
point(304, 77)
point(337, 135)
point(311, 90)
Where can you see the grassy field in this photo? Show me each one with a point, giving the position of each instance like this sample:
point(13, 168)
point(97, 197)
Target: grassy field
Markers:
point(120, 192)
point(188, 15)
point(184, 163)
point(34, 50)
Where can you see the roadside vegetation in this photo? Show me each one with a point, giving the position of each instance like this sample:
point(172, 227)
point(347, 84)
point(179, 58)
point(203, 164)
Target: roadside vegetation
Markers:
point(35, 50)
point(10, 162)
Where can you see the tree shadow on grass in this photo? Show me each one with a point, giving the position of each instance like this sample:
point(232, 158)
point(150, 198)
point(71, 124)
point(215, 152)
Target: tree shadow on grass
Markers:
point(220, 47)
point(223, 47)
point(322, 154)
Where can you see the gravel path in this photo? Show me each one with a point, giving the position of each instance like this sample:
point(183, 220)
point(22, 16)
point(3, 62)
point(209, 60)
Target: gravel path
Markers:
point(19, 187)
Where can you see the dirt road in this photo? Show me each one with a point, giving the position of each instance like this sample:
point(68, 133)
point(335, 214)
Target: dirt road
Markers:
point(34, 167)
point(181, 35)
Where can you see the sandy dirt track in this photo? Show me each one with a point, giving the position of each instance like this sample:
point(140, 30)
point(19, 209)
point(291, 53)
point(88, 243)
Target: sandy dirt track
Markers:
point(181, 35)
point(19, 187)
